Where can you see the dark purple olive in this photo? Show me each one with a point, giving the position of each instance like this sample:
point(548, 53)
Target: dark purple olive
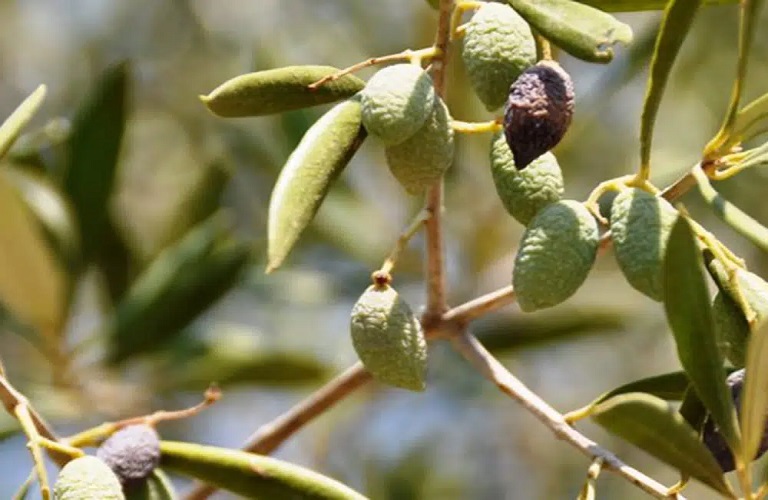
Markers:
point(132, 453)
point(715, 442)
point(538, 111)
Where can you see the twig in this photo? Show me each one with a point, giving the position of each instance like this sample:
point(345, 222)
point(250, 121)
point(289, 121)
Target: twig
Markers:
point(402, 241)
point(492, 369)
point(11, 399)
point(269, 436)
point(22, 413)
point(435, 268)
point(475, 308)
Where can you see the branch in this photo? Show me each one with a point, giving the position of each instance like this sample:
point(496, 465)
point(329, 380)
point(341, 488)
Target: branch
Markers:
point(493, 370)
point(12, 399)
point(435, 267)
point(271, 435)
point(480, 306)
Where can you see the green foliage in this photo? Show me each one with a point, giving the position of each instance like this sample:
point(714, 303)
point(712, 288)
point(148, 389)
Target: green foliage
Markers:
point(250, 475)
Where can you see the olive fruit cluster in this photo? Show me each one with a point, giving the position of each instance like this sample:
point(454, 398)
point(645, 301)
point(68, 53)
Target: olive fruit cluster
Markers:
point(123, 464)
point(400, 107)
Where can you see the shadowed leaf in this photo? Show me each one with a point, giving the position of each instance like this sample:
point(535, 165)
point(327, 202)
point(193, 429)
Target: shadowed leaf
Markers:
point(653, 425)
point(690, 318)
point(754, 398)
point(97, 131)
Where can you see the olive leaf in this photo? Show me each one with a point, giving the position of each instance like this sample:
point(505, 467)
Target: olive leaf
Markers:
point(754, 397)
point(636, 5)
point(321, 155)
point(156, 487)
point(730, 213)
point(32, 281)
point(94, 146)
point(677, 20)
point(186, 279)
point(752, 119)
point(653, 425)
point(278, 90)
point(250, 475)
point(580, 30)
point(690, 318)
point(22, 115)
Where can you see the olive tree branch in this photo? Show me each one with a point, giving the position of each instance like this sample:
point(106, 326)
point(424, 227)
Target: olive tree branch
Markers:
point(271, 435)
point(492, 369)
point(435, 268)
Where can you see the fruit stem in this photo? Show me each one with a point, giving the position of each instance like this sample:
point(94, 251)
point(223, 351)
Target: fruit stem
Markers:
point(476, 127)
point(457, 31)
point(543, 48)
point(616, 184)
point(30, 429)
point(679, 486)
point(413, 56)
point(593, 472)
point(402, 241)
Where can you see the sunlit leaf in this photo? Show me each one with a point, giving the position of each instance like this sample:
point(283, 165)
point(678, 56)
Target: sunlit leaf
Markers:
point(580, 30)
point(250, 475)
point(319, 158)
point(754, 397)
point(752, 119)
point(32, 282)
point(97, 131)
point(653, 425)
point(635, 5)
point(279, 90)
point(14, 124)
point(731, 214)
point(749, 11)
point(690, 318)
point(678, 17)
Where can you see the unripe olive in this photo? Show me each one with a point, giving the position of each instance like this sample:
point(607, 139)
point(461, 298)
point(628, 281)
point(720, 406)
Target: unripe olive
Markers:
point(640, 227)
point(555, 255)
point(388, 338)
point(420, 161)
point(87, 478)
point(538, 111)
point(524, 192)
point(396, 102)
point(715, 442)
point(132, 453)
point(498, 46)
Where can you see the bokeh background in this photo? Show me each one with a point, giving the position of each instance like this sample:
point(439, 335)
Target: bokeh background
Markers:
point(271, 339)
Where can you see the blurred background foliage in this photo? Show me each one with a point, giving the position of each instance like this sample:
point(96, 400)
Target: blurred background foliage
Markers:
point(133, 224)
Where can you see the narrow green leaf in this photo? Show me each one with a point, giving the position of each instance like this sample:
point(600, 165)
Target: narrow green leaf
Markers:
point(751, 120)
point(177, 287)
point(42, 148)
point(654, 426)
point(319, 158)
point(279, 90)
point(725, 138)
point(13, 125)
point(731, 214)
point(693, 410)
point(52, 213)
point(250, 475)
point(32, 281)
point(678, 17)
point(582, 31)
point(690, 318)
point(636, 5)
point(754, 397)
point(97, 131)
point(156, 487)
